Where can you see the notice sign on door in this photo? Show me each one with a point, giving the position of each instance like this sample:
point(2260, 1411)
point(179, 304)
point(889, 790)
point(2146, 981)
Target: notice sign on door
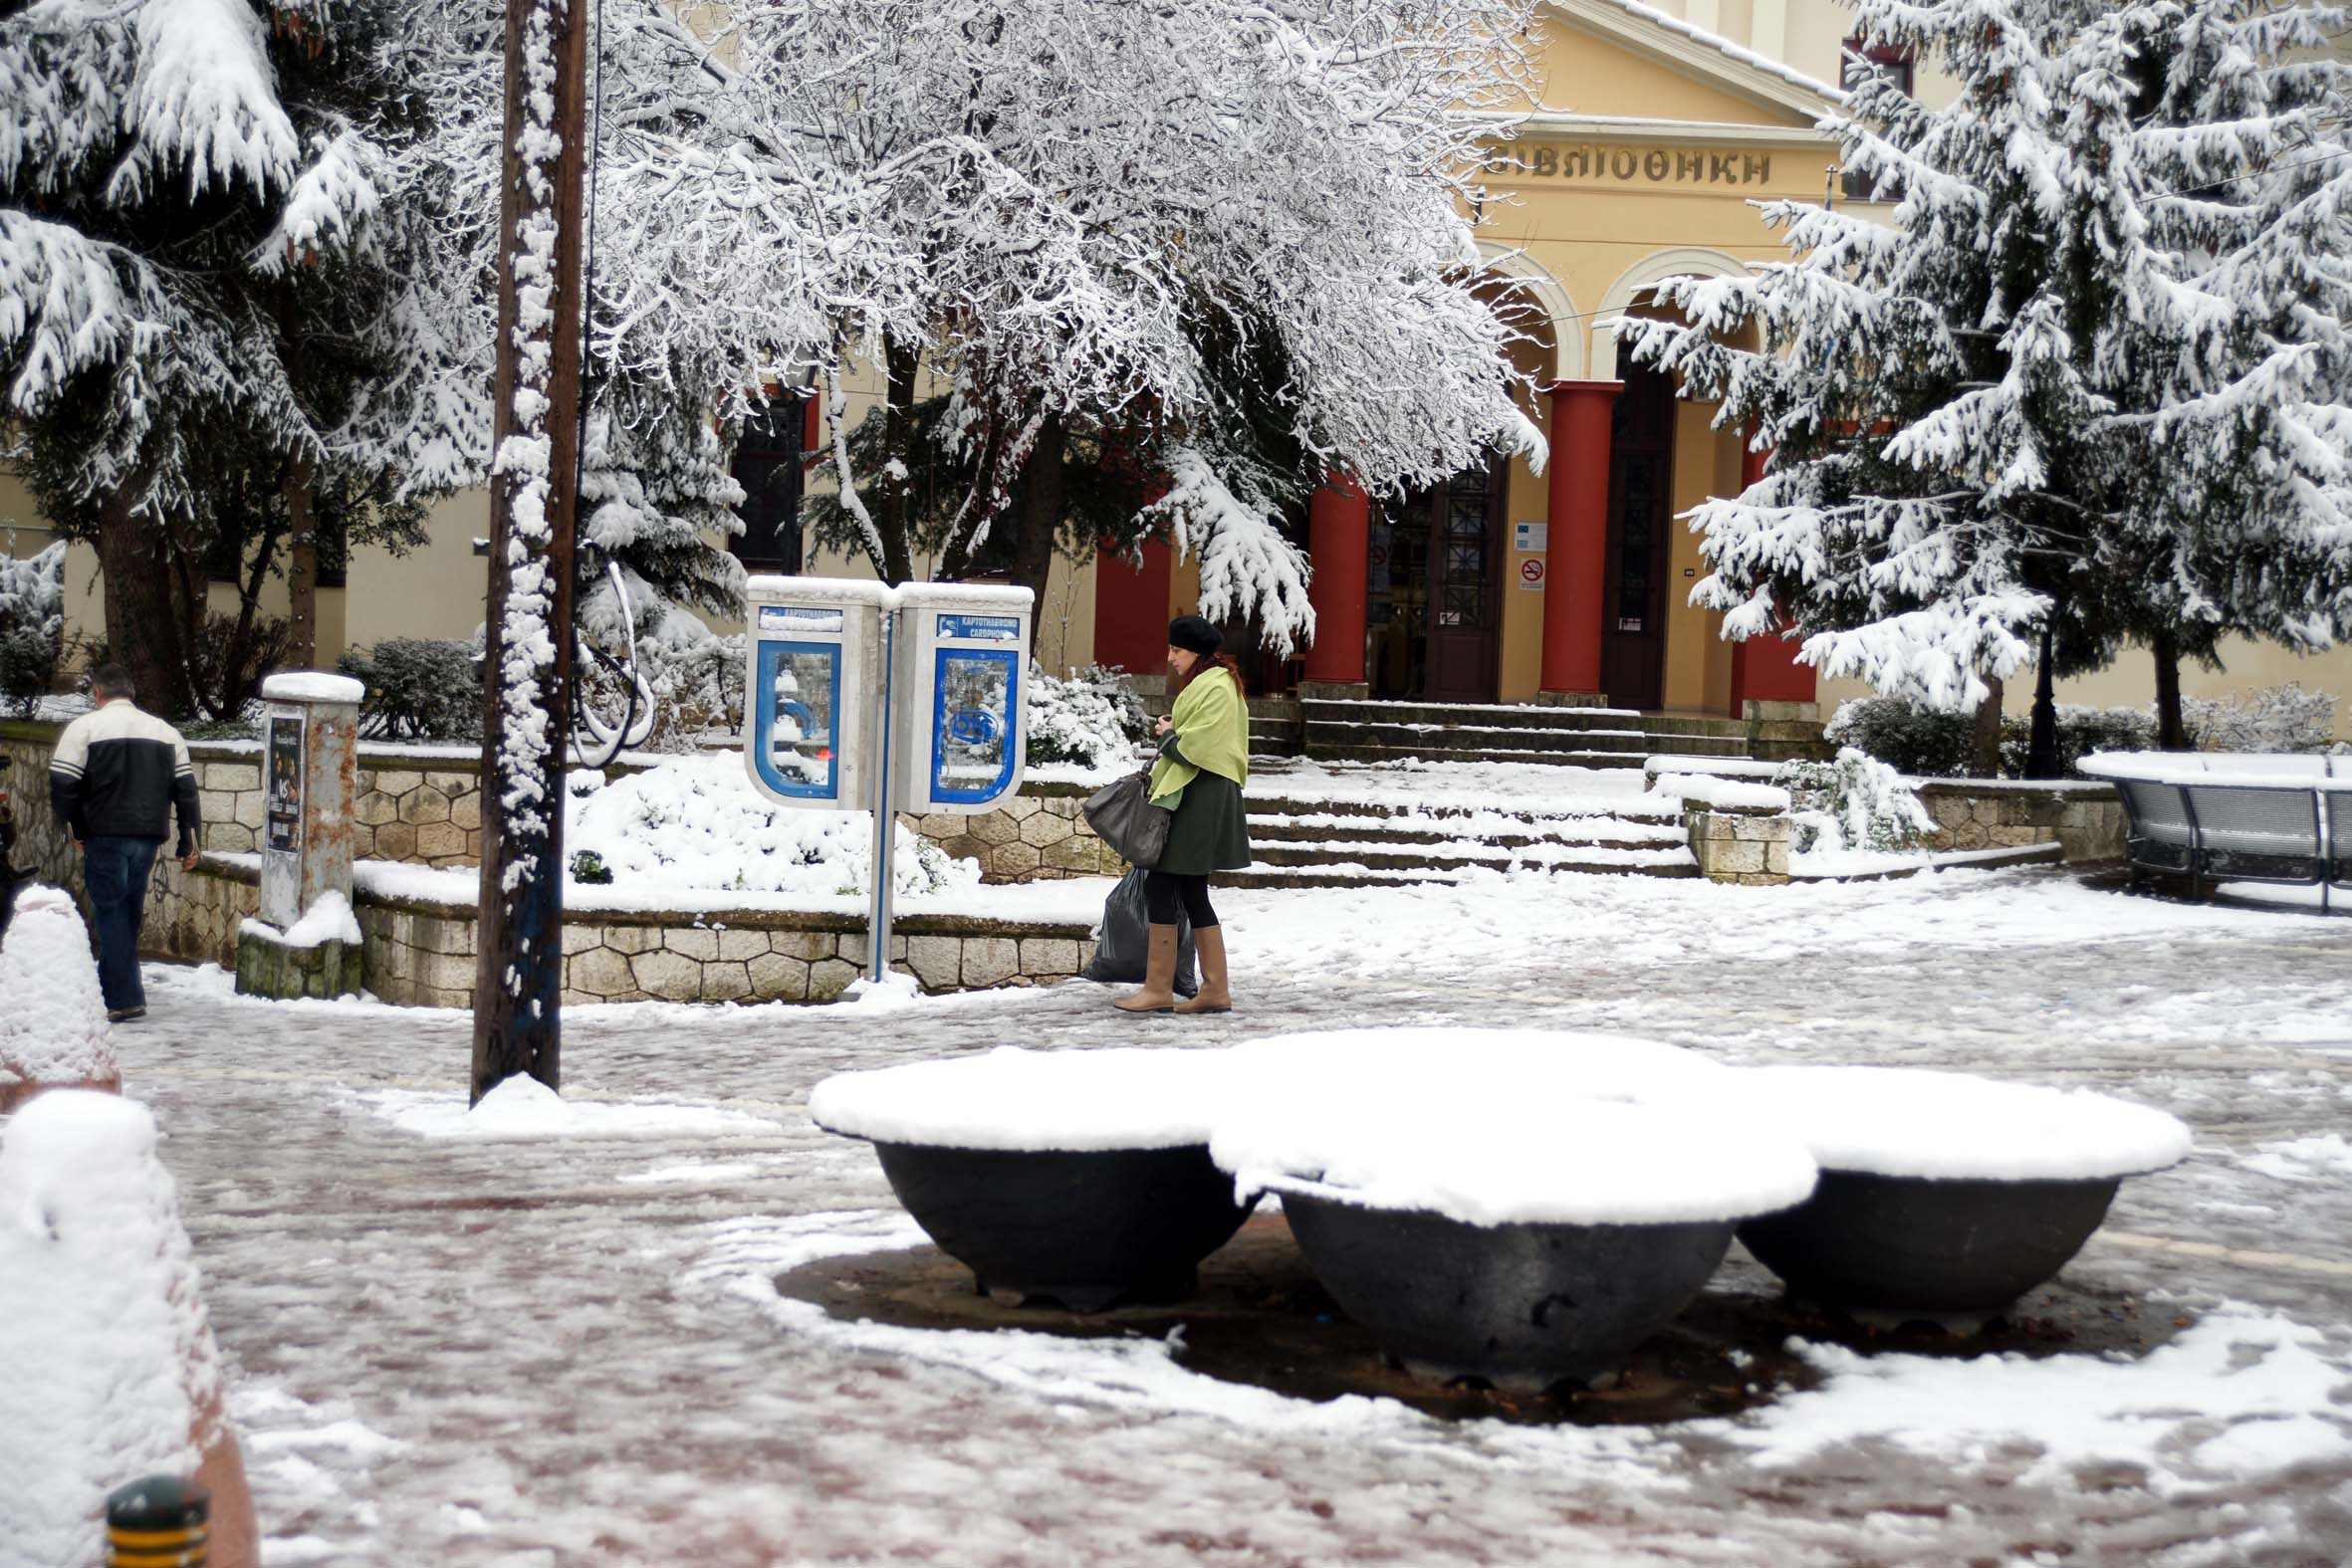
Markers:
point(1531, 572)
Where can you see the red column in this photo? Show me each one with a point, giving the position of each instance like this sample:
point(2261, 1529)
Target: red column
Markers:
point(1578, 532)
point(1131, 609)
point(1338, 535)
point(1765, 668)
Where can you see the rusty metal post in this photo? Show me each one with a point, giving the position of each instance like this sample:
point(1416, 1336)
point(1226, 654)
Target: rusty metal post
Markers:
point(534, 492)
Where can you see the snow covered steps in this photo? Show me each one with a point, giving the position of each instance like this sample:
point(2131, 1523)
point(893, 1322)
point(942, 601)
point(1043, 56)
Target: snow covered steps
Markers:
point(1570, 736)
point(1355, 843)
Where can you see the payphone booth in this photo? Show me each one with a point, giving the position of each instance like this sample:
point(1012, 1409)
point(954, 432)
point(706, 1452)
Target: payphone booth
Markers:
point(813, 663)
point(859, 697)
point(962, 697)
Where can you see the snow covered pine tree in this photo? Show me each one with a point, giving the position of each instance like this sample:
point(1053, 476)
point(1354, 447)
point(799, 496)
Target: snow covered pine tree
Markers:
point(2061, 398)
point(192, 209)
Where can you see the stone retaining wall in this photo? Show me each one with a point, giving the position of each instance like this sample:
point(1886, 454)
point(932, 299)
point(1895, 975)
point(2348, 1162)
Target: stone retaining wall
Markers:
point(2084, 817)
point(427, 812)
point(1039, 835)
point(420, 953)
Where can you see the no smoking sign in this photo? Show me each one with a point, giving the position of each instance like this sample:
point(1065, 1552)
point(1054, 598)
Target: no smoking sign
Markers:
point(1531, 572)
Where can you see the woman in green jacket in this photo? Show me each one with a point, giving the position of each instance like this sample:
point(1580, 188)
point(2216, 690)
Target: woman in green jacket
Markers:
point(1204, 761)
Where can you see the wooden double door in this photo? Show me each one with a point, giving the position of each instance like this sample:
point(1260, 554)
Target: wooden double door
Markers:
point(1434, 591)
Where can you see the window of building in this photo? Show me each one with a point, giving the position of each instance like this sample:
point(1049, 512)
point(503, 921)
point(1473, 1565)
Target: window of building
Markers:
point(768, 467)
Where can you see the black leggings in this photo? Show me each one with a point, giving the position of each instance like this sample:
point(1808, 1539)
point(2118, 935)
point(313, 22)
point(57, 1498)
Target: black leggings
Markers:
point(1163, 891)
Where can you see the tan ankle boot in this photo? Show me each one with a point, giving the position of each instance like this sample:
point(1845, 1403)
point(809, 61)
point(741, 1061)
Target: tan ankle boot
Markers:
point(1159, 975)
point(1215, 995)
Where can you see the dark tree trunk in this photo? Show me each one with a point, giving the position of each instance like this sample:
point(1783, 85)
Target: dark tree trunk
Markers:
point(144, 616)
point(2172, 729)
point(2041, 752)
point(894, 517)
point(1985, 745)
point(1043, 484)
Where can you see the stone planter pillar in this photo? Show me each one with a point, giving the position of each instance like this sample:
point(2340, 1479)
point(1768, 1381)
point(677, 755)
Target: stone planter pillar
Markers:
point(305, 943)
point(1743, 844)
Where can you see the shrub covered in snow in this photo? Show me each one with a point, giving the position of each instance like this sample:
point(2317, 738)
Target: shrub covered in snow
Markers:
point(2283, 718)
point(2081, 731)
point(113, 1372)
point(1092, 717)
point(32, 627)
point(697, 823)
point(1855, 802)
point(1932, 742)
point(418, 689)
point(697, 686)
point(1910, 737)
point(53, 1031)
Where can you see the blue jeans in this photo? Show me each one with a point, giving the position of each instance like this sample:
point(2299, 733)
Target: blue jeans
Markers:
point(115, 872)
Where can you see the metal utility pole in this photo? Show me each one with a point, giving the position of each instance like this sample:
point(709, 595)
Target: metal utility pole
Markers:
point(534, 490)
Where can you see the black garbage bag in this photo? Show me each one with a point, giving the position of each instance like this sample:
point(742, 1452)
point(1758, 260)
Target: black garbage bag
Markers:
point(1123, 945)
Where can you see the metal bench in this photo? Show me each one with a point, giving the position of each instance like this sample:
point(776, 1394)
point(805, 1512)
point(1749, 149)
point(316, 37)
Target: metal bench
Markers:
point(2221, 818)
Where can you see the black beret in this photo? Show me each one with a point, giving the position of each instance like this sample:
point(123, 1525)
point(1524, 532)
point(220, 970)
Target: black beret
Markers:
point(1190, 631)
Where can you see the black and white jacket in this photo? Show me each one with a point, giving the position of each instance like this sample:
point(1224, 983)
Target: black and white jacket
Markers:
point(122, 774)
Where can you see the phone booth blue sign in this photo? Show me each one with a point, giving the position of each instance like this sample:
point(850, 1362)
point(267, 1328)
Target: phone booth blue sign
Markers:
point(814, 664)
point(963, 676)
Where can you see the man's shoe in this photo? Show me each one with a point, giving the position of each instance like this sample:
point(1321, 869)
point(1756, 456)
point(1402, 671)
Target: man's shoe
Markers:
point(124, 1014)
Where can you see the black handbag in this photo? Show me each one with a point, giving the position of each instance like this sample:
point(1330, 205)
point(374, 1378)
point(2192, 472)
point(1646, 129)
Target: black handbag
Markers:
point(1122, 816)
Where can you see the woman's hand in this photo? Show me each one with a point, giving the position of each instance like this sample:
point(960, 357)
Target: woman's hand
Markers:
point(1163, 725)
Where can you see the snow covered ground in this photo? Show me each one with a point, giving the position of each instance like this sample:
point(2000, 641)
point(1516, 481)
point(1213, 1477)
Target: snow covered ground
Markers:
point(560, 1345)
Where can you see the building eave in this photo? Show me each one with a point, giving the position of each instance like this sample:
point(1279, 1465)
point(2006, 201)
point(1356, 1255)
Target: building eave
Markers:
point(1700, 54)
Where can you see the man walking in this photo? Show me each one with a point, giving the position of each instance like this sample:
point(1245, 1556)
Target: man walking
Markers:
point(116, 779)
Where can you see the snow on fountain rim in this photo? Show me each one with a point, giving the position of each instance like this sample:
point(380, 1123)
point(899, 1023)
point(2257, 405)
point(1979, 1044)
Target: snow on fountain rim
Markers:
point(1503, 1127)
point(1955, 1126)
point(1032, 1101)
point(1589, 1063)
point(1528, 1160)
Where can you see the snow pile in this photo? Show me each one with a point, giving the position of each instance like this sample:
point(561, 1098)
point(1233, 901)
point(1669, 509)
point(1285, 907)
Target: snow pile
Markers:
point(697, 823)
point(1091, 718)
point(1016, 1099)
point(2241, 1392)
point(895, 989)
point(2318, 1157)
point(312, 686)
point(1707, 790)
point(1950, 1126)
point(1504, 1127)
point(329, 919)
point(113, 1373)
point(1854, 804)
point(2217, 767)
point(522, 1107)
point(52, 1029)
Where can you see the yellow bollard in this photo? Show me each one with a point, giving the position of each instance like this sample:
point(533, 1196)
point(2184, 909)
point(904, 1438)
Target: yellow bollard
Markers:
point(158, 1522)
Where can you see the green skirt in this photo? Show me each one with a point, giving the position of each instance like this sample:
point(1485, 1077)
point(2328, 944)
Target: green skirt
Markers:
point(1211, 831)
